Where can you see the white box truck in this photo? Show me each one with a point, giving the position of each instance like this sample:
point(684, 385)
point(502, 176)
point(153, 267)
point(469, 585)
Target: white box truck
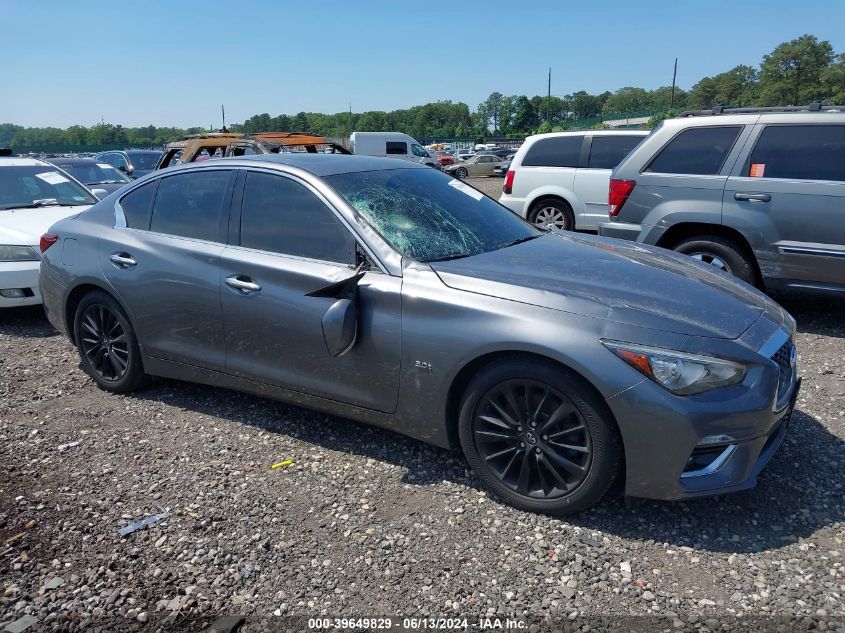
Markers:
point(391, 145)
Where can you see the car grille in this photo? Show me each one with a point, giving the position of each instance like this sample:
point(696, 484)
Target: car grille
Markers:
point(782, 358)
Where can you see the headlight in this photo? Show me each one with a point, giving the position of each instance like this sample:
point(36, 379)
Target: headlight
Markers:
point(682, 374)
point(18, 254)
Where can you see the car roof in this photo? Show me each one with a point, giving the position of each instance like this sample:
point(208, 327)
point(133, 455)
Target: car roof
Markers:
point(22, 162)
point(142, 151)
point(625, 132)
point(67, 160)
point(317, 164)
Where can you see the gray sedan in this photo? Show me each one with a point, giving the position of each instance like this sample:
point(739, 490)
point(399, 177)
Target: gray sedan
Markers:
point(392, 294)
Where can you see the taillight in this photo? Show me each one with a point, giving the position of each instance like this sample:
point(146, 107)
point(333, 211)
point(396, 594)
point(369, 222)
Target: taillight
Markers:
point(507, 186)
point(618, 194)
point(47, 240)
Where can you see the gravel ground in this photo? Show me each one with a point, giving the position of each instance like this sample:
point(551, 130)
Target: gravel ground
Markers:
point(368, 523)
point(491, 186)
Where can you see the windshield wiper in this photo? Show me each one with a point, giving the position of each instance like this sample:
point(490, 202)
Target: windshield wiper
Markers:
point(448, 258)
point(46, 202)
point(521, 240)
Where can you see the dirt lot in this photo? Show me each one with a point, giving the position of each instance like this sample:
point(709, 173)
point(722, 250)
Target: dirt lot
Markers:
point(368, 523)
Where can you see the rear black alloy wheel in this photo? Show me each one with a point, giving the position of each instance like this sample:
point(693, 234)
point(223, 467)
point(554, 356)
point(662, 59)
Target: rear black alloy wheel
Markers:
point(104, 342)
point(539, 435)
point(108, 349)
point(533, 438)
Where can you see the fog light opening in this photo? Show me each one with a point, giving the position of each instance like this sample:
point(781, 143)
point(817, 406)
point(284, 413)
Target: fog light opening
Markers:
point(16, 293)
point(707, 459)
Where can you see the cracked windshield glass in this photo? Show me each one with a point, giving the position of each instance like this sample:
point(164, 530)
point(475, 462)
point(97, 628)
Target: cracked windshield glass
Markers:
point(427, 216)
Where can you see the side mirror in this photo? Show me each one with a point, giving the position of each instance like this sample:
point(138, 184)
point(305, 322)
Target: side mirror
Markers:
point(340, 321)
point(99, 194)
point(340, 326)
point(123, 168)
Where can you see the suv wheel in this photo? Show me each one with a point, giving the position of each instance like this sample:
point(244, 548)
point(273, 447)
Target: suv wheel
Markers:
point(721, 253)
point(107, 345)
point(552, 214)
point(539, 437)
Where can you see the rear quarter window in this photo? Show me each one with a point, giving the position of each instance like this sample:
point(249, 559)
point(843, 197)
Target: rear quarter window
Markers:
point(137, 204)
point(696, 151)
point(606, 152)
point(561, 151)
point(799, 152)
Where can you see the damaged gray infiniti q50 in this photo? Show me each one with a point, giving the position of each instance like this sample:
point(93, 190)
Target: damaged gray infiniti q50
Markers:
point(391, 294)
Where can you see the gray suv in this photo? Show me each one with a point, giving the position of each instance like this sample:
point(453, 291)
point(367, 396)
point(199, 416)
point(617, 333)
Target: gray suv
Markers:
point(759, 193)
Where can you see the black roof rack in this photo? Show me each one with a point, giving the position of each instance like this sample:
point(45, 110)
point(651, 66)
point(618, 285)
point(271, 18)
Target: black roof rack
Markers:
point(815, 106)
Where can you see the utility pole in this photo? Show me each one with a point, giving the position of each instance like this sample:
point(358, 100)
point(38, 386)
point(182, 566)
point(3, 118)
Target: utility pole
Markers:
point(549, 98)
point(674, 77)
point(349, 119)
point(223, 112)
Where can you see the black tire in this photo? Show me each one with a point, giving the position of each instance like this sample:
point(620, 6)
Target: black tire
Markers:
point(486, 444)
point(108, 347)
point(552, 212)
point(461, 173)
point(721, 253)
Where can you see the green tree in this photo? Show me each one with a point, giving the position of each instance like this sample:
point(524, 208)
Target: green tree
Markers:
point(833, 81)
point(792, 73)
point(626, 100)
point(490, 111)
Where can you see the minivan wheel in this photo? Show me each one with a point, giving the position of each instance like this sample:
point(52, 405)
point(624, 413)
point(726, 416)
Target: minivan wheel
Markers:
point(552, 214)
point(539, 437)
point(107, 344)
point(721, 253)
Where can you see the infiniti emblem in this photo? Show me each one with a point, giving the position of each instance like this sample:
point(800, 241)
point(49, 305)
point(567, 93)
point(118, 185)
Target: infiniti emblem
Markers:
point(530, 438)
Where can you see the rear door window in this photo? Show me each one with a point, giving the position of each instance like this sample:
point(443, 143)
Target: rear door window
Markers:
point(561, 151)
point(396, 147)
point(606, 152)
point(696, 151)
point(281, 215)
point(799, 152)
point(191, 204)
point(136, 206)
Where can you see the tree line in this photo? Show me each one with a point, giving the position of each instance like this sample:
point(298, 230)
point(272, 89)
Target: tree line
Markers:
point(794, 73)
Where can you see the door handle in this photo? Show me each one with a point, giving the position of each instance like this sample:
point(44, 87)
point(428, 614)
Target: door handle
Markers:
point(122, 260)
point(752, 197)
point(242, 283)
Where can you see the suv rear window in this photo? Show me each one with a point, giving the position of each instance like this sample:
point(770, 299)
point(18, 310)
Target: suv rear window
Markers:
point(606, 152)
point(802, 152)
point(560, 151)
point(697, 150)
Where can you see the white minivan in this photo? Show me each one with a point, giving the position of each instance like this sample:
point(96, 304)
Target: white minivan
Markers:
point(561, 179)
point(391, 145)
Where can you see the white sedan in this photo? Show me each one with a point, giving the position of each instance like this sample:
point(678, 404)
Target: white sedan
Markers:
point(34, 195)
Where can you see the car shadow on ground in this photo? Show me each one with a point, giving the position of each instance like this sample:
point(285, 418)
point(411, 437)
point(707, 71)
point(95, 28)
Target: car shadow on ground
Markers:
point(816, 314)
point(798, 494)
point(28, 322)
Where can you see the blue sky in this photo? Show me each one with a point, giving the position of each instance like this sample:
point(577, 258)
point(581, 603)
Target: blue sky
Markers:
point(175, 62)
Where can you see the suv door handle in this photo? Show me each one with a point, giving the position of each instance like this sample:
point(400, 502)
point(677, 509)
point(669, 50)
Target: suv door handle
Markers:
point(752, 197)
point(122, 260)
point(242, 283)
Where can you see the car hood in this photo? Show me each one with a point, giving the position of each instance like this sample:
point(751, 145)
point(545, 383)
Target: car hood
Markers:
point(26, 226)
point(612, 279)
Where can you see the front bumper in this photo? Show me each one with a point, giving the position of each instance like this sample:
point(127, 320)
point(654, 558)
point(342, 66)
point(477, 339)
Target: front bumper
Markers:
point(21, 276)
point(711, 443)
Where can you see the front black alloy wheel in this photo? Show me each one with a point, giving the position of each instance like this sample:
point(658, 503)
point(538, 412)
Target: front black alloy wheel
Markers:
point(107, 345)
point(539, 436)
point(533, 438)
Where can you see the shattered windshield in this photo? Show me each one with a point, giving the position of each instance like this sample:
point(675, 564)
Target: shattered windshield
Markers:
point(428, 216)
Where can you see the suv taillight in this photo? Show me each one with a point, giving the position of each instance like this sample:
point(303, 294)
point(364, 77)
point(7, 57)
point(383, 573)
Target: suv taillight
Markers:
point(507, 186)
point(47, 240)
point(618, 194)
